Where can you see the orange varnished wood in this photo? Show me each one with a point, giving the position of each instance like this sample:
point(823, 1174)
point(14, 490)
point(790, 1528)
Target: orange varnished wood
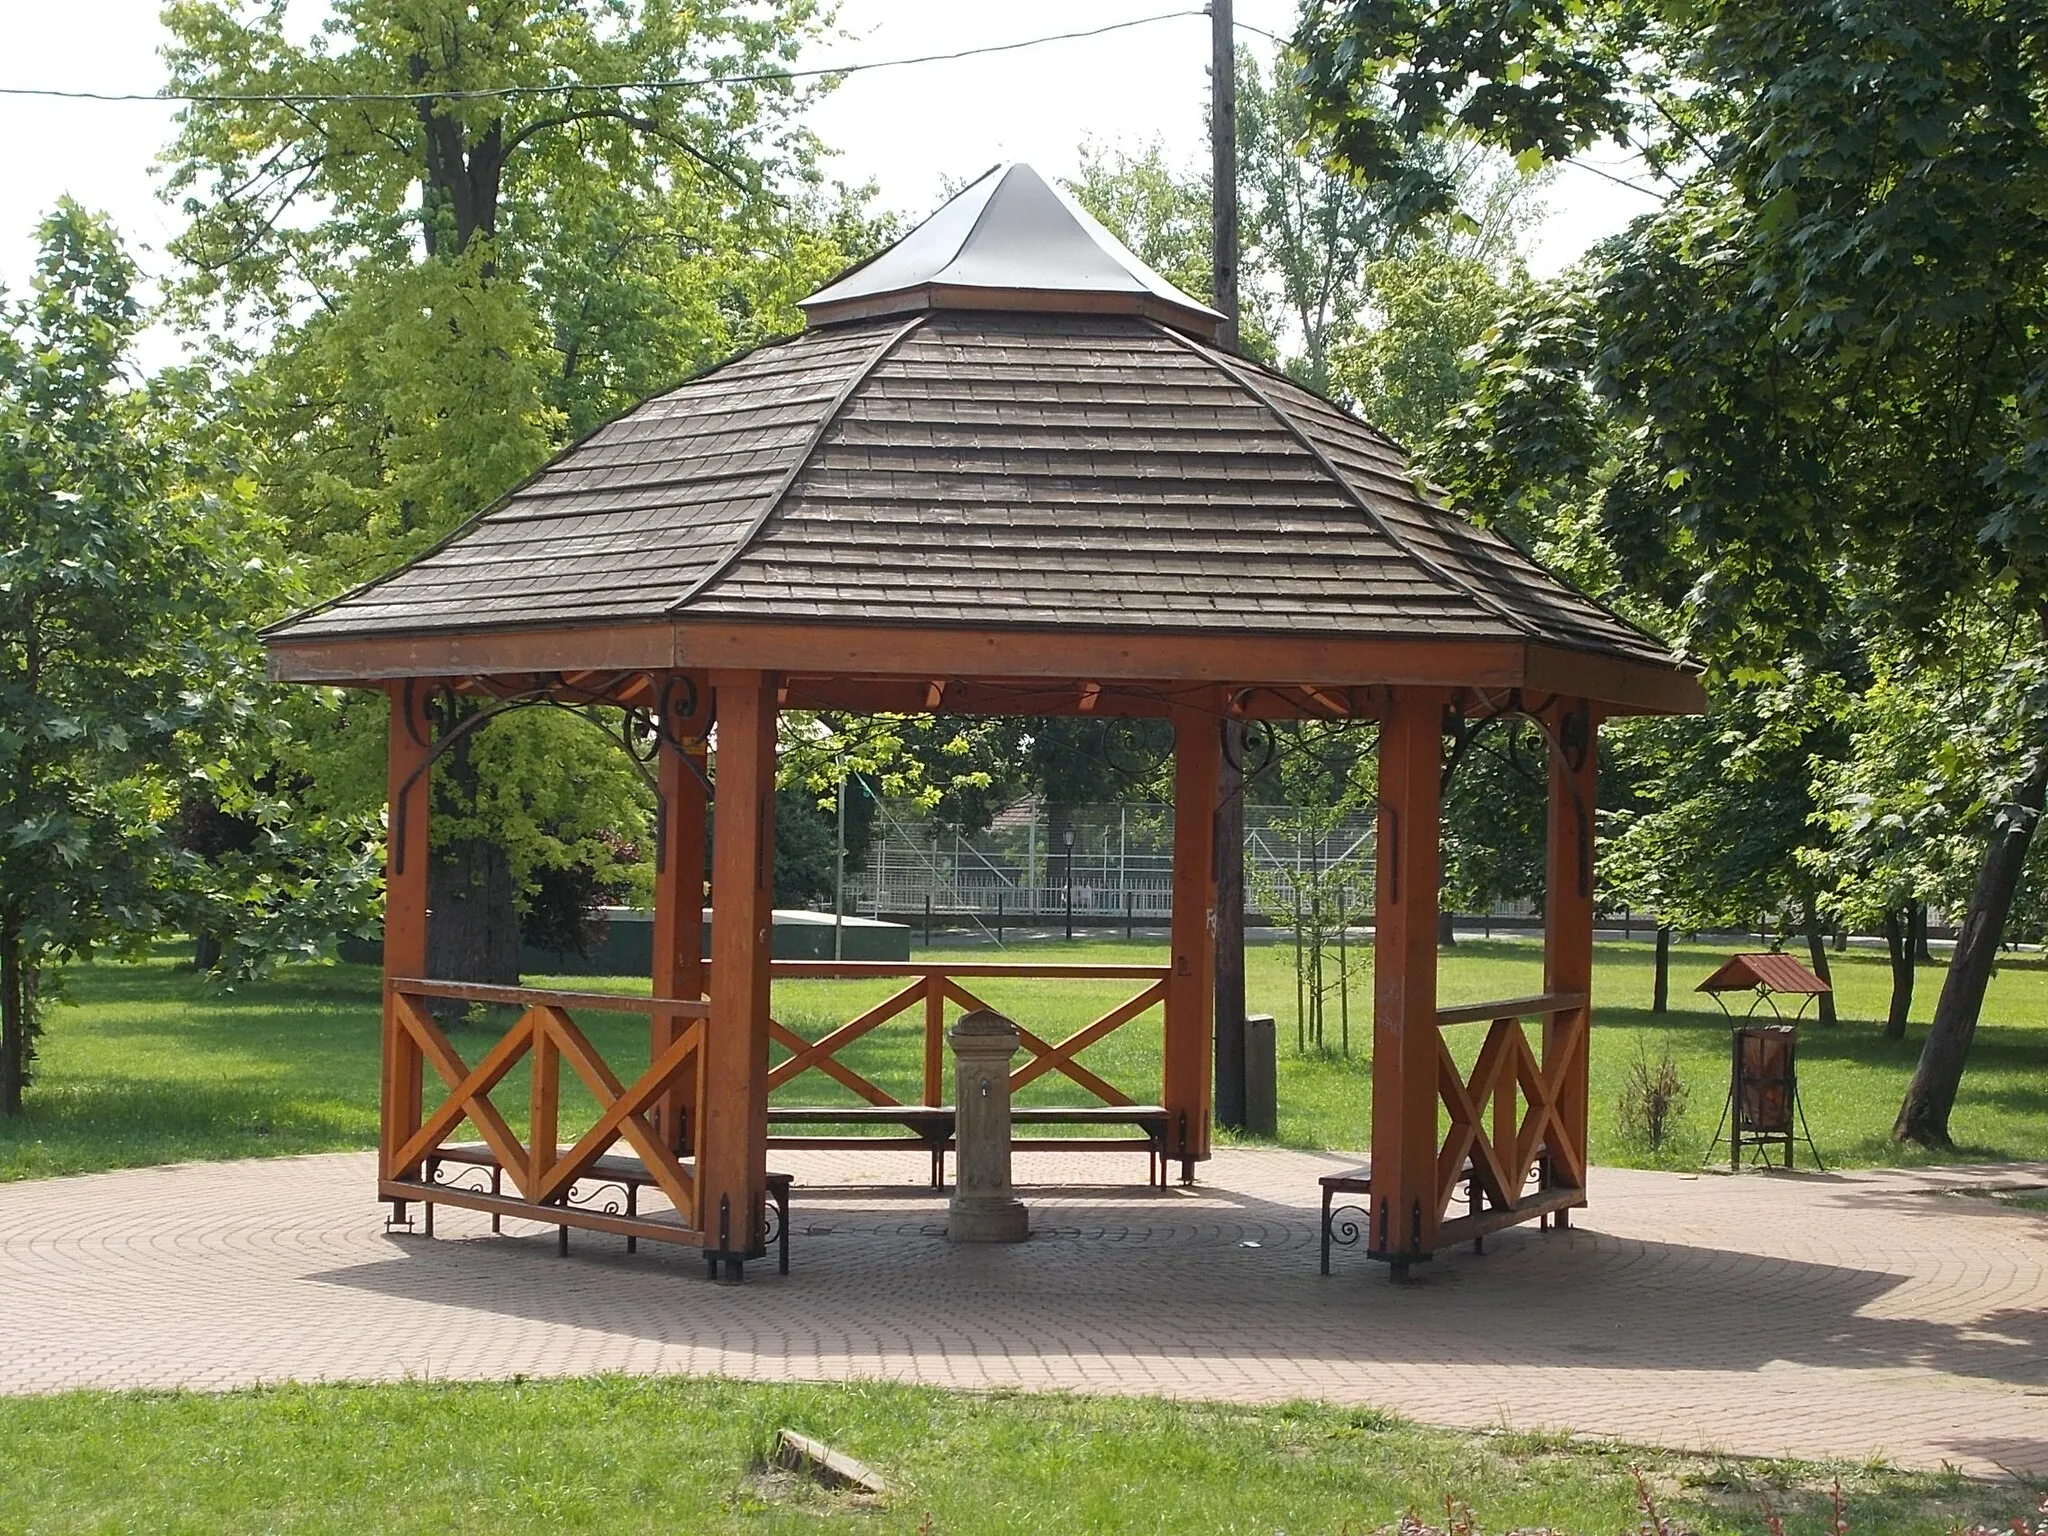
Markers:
point(1509, 1008)
point(544, 1133)
point(407, 789)
point(604, 1002)
point(678, 901)
point(1187, 1078)
point(1568, 937)
point(847, 970)
point(732, 1139)
point(934, 1041)
point(433, 1046)
point(1406, 1059)
point(621, 1115)
point(820, 1054)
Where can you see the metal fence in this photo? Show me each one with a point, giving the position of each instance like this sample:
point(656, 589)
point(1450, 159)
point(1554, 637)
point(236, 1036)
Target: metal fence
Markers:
point(1108, 862)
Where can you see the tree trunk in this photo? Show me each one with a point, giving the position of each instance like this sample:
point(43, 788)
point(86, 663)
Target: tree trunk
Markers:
point(1660, 996)
point(1230, 1003)
point(206, 952)
point(1923, 1117)
point(1446, 931)
point(473, 923)
point(1922, 955)
point(1898, 925)
point(472, 911)
point(14, 1025)
point(1817, 950)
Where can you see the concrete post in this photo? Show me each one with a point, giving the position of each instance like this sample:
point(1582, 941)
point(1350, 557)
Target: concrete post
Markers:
point(985, 1208)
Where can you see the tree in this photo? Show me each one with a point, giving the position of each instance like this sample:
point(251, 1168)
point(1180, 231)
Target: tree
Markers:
point(121, 590)
point(1822, 353)
point(455, 249)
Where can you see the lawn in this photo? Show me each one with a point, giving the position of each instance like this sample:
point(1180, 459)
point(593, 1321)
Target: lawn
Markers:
point(148, 1064)
point(687, 1454)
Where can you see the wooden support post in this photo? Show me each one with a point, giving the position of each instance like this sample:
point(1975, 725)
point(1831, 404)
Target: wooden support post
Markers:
point(732, 1143)
point(408, 784)
point(1404, 1058)
point(678, 904)
point(1190, 1037)
point(1568, 913)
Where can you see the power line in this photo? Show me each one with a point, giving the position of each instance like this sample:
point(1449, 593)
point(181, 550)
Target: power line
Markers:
point(512, 92)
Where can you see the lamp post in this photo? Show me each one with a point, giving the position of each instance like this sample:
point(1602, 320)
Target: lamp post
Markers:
point(1068, 838)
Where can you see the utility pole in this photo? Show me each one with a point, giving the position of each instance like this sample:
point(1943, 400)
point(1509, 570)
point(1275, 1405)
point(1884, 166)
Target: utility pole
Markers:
point(1230, 999)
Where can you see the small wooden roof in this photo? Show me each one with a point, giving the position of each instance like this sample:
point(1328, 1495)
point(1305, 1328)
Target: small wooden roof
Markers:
point(980, 461)
point(1773, 973)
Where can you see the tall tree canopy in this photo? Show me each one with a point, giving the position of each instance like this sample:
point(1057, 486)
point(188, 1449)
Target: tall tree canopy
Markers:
point(1812, 385)
point(123, 581)
point(440, 244)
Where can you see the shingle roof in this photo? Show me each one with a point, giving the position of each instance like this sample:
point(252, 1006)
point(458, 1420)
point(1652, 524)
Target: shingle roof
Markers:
point(1097, 471)
point(960, 455)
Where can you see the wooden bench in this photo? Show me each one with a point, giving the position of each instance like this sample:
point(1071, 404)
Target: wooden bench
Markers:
point(1358, 1181)
point(931, 1130)
point(629, 1173)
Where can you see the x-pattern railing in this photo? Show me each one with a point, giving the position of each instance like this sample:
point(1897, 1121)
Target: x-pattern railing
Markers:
point(936, 985)
point(1523, 1096)
point(541, 1170)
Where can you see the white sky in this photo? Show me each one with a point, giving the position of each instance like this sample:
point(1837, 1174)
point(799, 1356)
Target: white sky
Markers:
point(907, 129)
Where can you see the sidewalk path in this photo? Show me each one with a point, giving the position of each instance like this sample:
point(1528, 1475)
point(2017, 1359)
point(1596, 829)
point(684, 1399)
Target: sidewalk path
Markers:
point(1873, 1313)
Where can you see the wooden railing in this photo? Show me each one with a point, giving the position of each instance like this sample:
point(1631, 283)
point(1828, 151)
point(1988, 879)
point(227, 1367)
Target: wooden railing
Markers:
point(1506, 1115)
point(543, 1172)
point(933, 986)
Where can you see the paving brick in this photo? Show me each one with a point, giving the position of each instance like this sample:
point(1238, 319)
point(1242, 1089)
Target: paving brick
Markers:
point(1811, 1315)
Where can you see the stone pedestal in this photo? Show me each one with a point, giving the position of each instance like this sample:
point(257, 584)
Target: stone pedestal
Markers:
point(985, 1207)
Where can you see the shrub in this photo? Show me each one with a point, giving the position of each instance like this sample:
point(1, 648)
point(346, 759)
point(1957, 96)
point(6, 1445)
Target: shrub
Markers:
point(1653, 1099)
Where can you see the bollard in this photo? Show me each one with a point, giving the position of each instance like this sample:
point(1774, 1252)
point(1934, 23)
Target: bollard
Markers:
point(1261, 1078)
point(985, 1207)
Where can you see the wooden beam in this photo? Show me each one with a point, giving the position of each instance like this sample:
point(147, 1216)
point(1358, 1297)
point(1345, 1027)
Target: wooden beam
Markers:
point(1405, 1207)
point(1625, 687)
point(1190, 984)
point(1568, 911)
point(678, 900)
point(921, 653)
point(732, 1143)
point(408, 787)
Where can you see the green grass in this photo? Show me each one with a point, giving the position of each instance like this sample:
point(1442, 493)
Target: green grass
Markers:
point(686, 1455)
point(148, 1064)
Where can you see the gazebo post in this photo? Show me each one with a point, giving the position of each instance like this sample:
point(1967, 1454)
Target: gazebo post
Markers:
point(678, 911)
point(408, 781)
point(1405, 1208)
point(1568, 919)
point(732, 1143)
point(1190, 1045)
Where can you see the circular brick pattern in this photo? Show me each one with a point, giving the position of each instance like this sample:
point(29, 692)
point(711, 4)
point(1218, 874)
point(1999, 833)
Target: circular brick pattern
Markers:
point(1810, 1315)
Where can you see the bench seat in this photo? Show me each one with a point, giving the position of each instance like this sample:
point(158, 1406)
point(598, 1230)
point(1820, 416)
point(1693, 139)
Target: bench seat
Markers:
point(623, 1169)
point(931, 1129)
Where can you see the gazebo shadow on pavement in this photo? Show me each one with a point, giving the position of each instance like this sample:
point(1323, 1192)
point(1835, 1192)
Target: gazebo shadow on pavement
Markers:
point(1229, 1286)
point(1005, 470)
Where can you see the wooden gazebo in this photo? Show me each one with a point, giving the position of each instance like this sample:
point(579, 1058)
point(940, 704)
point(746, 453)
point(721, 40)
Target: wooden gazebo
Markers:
point(1005, 469)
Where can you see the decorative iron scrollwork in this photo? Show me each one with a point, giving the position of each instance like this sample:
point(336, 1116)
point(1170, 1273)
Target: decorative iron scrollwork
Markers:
point(607, 1197)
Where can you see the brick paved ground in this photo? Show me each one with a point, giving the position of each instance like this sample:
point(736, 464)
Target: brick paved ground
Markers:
point(1811, 1315)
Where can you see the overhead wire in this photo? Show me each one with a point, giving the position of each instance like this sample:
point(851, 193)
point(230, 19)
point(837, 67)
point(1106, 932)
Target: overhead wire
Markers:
point(569, 87)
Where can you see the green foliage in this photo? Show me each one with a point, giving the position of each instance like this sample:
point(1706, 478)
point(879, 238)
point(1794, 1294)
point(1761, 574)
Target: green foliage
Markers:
point(442, 291)
point(1406, 372)
point(1383, 77)
point(122, 585)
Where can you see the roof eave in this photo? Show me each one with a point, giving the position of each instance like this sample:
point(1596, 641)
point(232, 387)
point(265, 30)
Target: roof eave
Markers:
point(1619, 684)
